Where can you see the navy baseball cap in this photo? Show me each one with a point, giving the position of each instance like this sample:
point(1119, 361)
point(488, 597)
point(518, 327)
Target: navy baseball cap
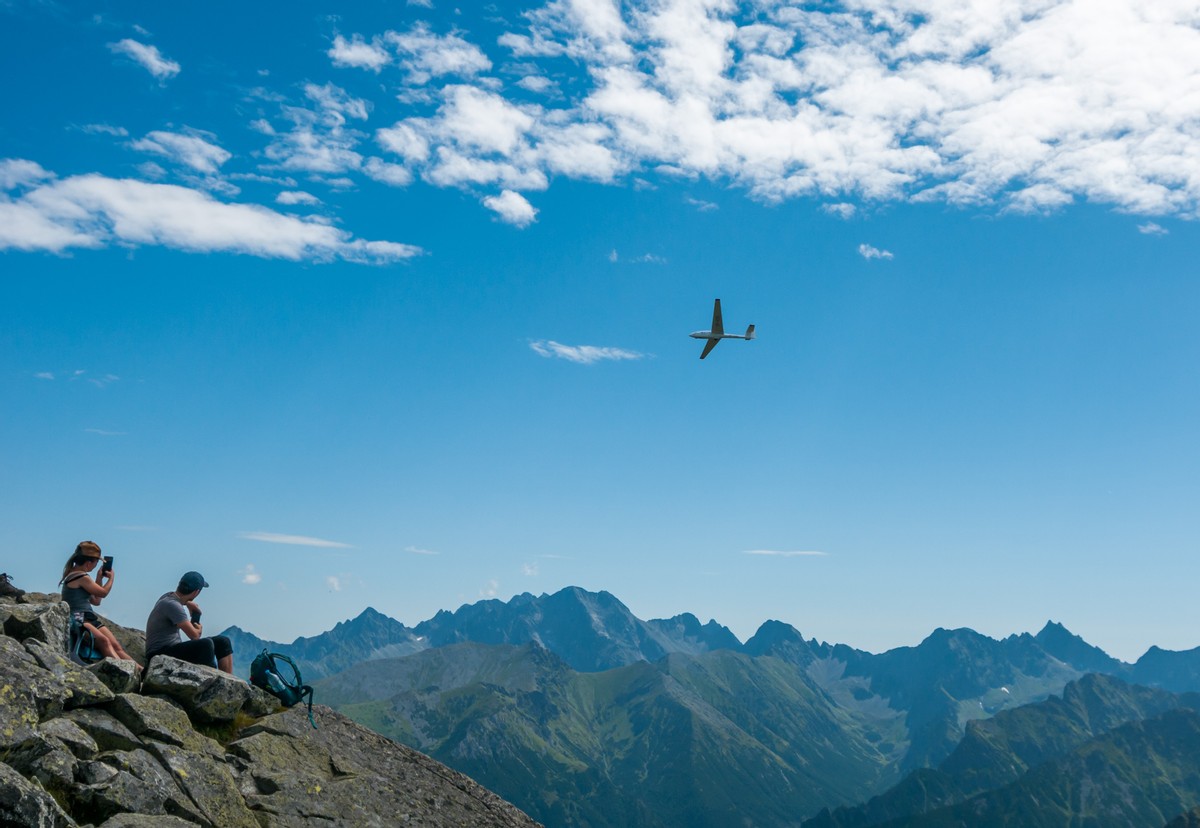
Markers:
point(192, 581)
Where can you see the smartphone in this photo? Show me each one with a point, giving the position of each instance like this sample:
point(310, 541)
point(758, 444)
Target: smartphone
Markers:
point(107, 566)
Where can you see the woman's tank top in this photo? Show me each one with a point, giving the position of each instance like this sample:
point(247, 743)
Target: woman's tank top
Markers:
point(76, 597)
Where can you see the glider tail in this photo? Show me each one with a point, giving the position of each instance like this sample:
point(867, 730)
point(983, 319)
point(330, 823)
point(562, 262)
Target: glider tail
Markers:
point(750, 332)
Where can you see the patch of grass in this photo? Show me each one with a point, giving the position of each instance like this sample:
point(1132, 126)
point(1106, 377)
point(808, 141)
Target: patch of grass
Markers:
point(226, 732)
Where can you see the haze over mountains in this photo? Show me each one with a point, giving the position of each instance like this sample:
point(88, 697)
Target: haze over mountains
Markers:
point(582, 714)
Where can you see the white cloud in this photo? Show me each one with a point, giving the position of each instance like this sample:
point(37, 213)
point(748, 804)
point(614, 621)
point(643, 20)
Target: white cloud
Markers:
point(104, 433)
point(490, 590)
point(539, 84)
point(19, 172)
point(105, 129)
point(104, 381)
point(786, 554)
point(1152, 229)
point(190, 149)
point(394, 175)
point(582, 354)
point(529, 570)
point(427, 55)
point(46, 375)
point(842, 210)
point(334, 582)
point(147, 56)
point(1028, 105)
point(250, 575)
point(293, 540)
point(92, 211)
point(296, 197)
point(358, 53)
point(868, 252)
point(701, 205)
point(512, 208)
point(418, 551)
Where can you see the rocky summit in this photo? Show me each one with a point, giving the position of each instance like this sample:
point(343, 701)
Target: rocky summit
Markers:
point(113, 746)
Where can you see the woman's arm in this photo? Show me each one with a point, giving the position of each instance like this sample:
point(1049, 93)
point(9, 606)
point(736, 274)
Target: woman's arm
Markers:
point(96, 591)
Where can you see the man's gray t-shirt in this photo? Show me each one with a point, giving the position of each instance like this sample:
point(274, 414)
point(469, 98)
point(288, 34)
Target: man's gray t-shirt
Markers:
point(162, 627)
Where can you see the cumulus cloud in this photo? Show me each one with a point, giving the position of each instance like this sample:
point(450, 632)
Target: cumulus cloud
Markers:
point(425, 54)
point(868, 252)
point(190, 149)
point(701, 205)
point(775, 553)
point(1027, 105)
point(18, 172)
point(359, 53)
point(250, 575)
point(148, 57)
point(296, 197)
point(1152, 229)
point(582, 354)
point(93, 211)
point(512, 208)
point(334, 583)
point(293, 540)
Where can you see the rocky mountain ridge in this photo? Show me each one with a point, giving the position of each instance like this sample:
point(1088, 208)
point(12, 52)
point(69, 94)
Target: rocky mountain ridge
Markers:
point(182, 745)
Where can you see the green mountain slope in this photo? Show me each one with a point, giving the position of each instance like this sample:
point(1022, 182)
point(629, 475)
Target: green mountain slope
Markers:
point(998, 751)
point(1140, 774)
point(709, 740)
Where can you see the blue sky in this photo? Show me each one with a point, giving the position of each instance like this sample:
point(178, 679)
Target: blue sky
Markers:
point(389, 306)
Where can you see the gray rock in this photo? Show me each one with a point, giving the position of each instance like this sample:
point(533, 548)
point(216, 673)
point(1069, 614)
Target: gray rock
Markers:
point(108, 732)
point(117, 675)
point(210, 785)
point(45, 759)
point(48, 623)
point(72, 735)
point(153, 717)
point(86, 689)
point(206, 693)
point(28, 694)
point(94, 773)
point(344, 774)
point(26, 805)
point(144, 821)
point(139, 785)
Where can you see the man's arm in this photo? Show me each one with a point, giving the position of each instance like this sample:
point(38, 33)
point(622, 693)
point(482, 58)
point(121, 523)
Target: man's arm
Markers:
point(192, 631)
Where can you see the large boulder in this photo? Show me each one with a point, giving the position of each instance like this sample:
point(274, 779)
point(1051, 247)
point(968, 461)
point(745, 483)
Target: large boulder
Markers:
point(139, 784)
point(86, 689)
point(28, 693)
point(117, 675)
point(209, 784)
point(50, 623)
point(153, 717)
point(24, 804)
point(106, 730)
point(207, 694)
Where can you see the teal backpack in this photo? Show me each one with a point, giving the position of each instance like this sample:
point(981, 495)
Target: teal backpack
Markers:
point(265, 673)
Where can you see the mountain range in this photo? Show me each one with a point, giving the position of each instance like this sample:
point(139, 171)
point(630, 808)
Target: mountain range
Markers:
point(582, 714)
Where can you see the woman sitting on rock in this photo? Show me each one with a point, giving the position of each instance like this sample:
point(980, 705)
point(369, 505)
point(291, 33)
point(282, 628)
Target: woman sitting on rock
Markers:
point(82, 593)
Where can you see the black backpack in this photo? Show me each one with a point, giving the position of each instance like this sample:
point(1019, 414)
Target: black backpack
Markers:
point(265, 673)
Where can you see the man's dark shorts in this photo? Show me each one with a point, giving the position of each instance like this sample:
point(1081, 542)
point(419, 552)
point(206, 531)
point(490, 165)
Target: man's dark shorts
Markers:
point(206, 651)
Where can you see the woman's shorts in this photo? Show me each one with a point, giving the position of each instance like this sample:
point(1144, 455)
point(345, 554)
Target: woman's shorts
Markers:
point(88, 618)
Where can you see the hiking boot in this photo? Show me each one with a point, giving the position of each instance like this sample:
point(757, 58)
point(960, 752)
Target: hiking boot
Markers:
point(7, 590)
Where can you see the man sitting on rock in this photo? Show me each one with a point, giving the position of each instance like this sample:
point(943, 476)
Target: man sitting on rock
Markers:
point(177, 612)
